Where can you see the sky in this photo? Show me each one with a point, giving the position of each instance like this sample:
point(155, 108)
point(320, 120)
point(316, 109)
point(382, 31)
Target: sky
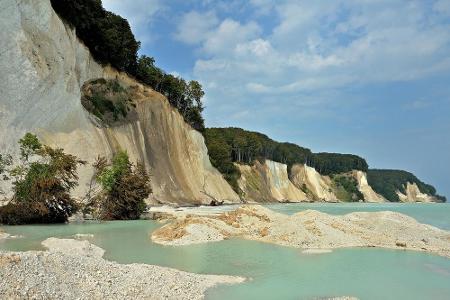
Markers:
point(369, 77)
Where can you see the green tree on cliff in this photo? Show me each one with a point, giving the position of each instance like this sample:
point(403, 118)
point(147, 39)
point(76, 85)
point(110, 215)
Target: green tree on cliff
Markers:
point(42, 182)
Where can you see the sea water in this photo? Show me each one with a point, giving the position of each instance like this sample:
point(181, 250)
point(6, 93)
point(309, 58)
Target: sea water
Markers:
point(274, 272)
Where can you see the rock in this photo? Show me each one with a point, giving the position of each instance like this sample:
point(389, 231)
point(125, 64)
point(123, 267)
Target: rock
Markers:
point(83, 236)
point(73, 247)
point(400, 244)
point(4, 235)
point(9, 259)
point(316, 251)
point(216, 203)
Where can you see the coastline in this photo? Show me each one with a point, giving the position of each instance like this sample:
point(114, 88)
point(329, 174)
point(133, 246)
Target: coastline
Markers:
point(312, 251)
point(73, 269)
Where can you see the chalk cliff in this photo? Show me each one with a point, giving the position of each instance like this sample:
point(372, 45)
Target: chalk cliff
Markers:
point(43, 67)
point(363, 186)
point(268, 182)
point(413, 194)
point(317, 186)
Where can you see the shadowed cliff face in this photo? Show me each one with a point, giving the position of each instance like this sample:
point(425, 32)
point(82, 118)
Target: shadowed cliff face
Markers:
point(44, 67)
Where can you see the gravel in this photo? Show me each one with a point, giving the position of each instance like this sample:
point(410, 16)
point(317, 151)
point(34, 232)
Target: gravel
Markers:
point(54, 274)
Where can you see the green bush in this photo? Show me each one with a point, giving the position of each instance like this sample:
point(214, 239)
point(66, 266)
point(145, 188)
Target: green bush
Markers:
point(347, 188)
point(102, 105)
point(125, 187)
point(109, 101)
point(41, 186)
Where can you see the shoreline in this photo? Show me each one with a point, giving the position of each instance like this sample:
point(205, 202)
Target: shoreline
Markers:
point(73, 269)
point(174, 209)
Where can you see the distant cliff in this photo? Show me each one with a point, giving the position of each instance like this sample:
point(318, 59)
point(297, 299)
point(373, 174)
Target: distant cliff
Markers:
point(398, 185)
point(264, 170)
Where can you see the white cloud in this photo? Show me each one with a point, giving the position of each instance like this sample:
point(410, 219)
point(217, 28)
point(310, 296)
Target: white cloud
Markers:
point(196, 27)
point(324, 45)
point(139, 13)
point(258, 47)
point(228, 35)
point(313, 62)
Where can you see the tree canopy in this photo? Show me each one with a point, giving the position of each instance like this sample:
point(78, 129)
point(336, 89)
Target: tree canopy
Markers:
point(111, 41)
point(335, 163)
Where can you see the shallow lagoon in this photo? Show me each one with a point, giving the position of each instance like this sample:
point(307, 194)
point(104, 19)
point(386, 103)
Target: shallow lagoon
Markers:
point(276, 272)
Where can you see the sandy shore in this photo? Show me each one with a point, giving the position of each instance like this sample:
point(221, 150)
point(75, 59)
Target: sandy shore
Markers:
point(306, 230)
point(76, 270)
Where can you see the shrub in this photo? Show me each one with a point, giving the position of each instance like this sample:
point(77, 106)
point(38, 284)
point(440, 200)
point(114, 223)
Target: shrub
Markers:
point(107, 100)
point(125, 187)
point(347, 188)
point(41, 186)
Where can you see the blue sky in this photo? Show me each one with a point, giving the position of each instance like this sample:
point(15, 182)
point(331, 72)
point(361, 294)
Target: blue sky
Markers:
point(370, 77)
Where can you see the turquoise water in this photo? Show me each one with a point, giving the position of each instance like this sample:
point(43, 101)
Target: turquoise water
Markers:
point(276, 272)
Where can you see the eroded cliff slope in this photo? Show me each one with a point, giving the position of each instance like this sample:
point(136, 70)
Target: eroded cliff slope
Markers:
point(268, 182)
point(317, 186)
point(363, 186)
point(43, 67)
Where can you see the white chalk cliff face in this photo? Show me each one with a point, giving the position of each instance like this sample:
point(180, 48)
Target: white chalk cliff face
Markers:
point(413, 194)
point(369, 194)
point(320, 187)
point(43, 67)
point(268, 182)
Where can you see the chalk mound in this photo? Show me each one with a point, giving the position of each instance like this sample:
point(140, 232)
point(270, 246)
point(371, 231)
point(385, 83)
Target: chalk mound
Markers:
point(73, 247)
point(308, 229)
